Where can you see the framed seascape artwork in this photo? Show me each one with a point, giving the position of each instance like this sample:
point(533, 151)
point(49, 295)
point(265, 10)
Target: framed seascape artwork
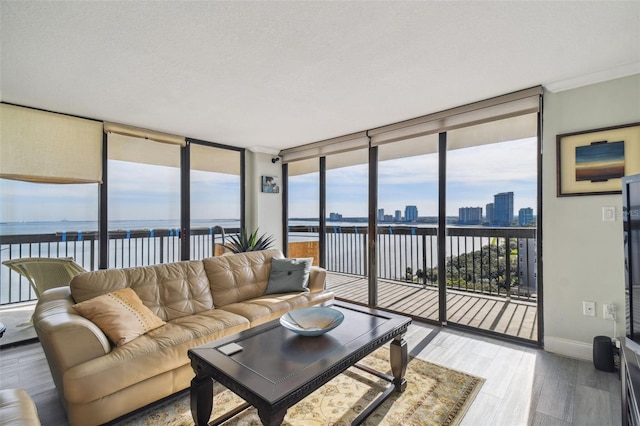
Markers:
point(592, 162)
point(270, 184)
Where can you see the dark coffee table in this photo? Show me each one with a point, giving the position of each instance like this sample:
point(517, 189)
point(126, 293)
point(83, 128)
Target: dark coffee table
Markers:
point(278, 368)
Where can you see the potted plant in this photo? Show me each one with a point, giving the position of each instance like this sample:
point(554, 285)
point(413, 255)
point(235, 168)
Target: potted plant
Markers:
point(244, 242)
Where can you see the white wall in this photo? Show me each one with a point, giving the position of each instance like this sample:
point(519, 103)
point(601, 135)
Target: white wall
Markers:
point(582, 255)
point(264, 210)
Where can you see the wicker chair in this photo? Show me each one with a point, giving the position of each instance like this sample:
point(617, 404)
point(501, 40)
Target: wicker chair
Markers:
point(44, 273)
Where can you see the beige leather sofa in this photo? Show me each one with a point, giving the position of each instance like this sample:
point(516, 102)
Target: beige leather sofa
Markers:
point(17, 408)
point(200, 301)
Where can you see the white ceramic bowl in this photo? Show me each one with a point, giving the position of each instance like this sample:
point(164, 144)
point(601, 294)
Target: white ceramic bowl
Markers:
point(312, 321)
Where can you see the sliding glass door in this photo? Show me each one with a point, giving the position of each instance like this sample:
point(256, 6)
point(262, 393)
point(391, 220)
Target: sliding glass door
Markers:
point(304, 209)
point(215, 197)
point(144, 201)
point(407, 219)
point(453, 213)
point(491, 235)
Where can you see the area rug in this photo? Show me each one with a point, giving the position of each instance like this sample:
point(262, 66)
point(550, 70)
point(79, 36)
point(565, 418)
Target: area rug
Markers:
point(435, 395)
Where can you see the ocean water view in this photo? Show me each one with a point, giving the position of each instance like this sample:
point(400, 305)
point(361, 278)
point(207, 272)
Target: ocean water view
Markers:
point(411, 247)
point(52, 227)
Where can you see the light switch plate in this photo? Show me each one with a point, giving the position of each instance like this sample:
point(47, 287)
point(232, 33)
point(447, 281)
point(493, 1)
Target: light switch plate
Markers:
point(608, 214)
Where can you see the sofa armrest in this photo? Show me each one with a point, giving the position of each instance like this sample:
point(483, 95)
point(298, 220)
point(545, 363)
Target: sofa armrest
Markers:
point(317, 279)
point(67, 338)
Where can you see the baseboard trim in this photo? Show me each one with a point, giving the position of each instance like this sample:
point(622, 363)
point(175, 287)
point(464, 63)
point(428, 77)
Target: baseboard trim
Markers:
point(570, 348)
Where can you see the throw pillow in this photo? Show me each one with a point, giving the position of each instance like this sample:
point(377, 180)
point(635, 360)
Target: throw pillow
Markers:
point(121, 315)
point(289, 275)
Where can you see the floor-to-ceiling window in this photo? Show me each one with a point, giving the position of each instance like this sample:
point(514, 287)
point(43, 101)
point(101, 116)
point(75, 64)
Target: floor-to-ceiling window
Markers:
point(215, 197)
point(442, 202)
point(143, 201)
point(49, 174)
point(304, 209)
point(45, 220)
point(347, 182)
point(407, 218)
point(492, 182)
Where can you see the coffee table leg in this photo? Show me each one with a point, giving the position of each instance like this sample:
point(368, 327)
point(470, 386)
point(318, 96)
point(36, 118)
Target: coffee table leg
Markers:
point(201, 400)
point(399, 361)
point(272, 419)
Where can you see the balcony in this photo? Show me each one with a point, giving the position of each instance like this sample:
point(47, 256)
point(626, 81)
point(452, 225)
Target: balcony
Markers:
point(517, 318)
point(491, 276)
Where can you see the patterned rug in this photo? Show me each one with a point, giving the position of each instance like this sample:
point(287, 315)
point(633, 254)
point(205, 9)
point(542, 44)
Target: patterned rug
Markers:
point(435, 395)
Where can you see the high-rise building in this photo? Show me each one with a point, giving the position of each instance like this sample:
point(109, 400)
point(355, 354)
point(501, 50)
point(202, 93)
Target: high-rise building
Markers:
point(489, 210)
point(380, 215)
point(525, 216)
point(503, 209)
point(470, 215)
point(398, 216)
point(527, 266)
point(335, 217)
point(411, 214)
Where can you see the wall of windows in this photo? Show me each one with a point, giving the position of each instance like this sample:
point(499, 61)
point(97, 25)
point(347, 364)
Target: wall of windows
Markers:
point(109, 197)
point(441, 188)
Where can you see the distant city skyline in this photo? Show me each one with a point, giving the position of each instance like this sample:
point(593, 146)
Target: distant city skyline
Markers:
point(414, 181)
point(139, 191)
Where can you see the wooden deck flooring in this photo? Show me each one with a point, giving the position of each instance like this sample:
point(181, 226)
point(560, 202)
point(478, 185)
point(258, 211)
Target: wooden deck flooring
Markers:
point(510, 317)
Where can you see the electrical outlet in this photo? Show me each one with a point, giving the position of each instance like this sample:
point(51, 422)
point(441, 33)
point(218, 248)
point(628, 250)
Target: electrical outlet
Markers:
point(589, 308)
point(609, 311)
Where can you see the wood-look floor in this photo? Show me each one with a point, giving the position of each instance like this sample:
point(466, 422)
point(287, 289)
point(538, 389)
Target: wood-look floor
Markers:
point(524, 386)
point(510, 317)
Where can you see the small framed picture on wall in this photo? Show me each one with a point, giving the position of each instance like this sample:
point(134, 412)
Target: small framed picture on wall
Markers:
point(592, 162)
point(270, 184)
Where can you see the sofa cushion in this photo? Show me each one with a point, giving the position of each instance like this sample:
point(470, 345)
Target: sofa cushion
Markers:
point(289, 275)
point(239, 277)
point(157, 352)
point(170, 290)
point(270, 307)
point(121, 315)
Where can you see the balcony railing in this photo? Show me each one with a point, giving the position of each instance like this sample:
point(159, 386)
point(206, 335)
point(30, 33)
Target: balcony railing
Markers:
point(492, 261)
point(126, 249)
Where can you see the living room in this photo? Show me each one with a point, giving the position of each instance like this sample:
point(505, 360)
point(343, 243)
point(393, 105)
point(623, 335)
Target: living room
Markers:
point(329, 65)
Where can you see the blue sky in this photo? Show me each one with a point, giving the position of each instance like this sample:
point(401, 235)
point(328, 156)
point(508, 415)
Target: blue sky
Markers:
point(474, 176)
point(139, 191)
point(136, 191)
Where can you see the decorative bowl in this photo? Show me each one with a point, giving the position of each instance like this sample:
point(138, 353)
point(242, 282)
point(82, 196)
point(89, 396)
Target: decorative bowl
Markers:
point(312, 321)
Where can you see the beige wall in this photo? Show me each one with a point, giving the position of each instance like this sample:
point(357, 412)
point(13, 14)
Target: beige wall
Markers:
point(582, 255)
point(264, 210)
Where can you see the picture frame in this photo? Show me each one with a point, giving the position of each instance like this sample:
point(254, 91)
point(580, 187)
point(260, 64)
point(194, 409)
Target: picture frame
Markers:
point(592, 162)
point(270, 184)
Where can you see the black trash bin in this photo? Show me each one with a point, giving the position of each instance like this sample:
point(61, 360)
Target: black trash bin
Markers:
point(603, 353)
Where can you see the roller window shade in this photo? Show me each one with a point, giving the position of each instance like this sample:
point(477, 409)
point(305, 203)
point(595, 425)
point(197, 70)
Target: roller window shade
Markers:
point(137, 132)
point(336, 161)
point(304, 167)
point(327, 147)
point(212, 159)
point(45, 147)
point(347, 159)
point(512, 105)
point(510, 129)
point(145, 151)
point(409, 148)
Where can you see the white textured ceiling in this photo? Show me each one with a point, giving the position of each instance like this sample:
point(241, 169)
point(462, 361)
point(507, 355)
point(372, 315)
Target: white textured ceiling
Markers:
point(272, 75)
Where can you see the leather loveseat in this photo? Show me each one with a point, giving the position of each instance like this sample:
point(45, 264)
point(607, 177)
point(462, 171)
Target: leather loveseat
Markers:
point(194, 301)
